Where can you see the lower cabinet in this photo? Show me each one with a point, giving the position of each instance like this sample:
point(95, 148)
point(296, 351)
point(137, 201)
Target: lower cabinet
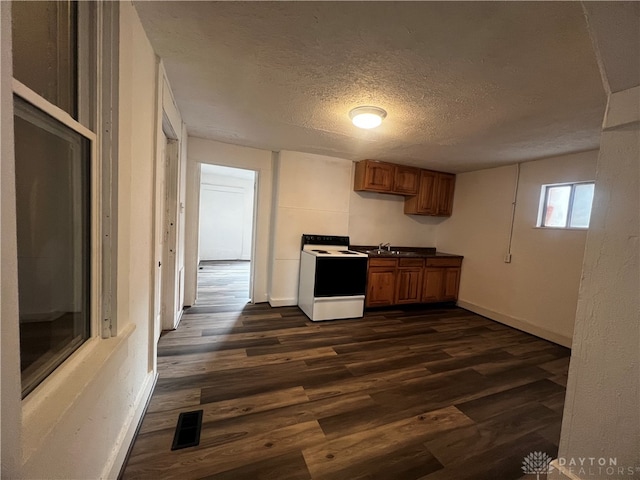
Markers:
point(441, 284)
point(433, 285)
point(409, 280)
point(441, 279)
point(401, 281)
point(381, 282)
point(451, 284)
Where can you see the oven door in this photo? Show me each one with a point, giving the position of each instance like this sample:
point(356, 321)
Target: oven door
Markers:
point(340, 276)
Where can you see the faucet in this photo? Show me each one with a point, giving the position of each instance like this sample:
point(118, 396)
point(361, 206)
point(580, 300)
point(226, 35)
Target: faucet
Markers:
point(385, 245)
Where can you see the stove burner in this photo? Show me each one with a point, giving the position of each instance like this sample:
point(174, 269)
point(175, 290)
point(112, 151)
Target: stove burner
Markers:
point(347, 252)
point(320, 251)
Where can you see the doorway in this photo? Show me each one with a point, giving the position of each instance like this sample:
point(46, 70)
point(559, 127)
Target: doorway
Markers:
point(226, 233)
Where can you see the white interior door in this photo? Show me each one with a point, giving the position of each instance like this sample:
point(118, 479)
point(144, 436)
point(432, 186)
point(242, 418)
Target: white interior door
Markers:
point(160, 175)
point(171, 284)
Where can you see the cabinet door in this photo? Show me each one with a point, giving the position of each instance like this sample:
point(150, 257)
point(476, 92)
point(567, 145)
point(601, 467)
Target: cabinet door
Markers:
point(406, 180)
point(425, 202)
point(433, 286)
point(446, 184)
point(409, 285)
point(380, 286)
point(451, 284)
point(374, 176)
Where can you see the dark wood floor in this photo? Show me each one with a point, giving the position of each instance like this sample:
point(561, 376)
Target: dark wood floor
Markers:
point(429, 393)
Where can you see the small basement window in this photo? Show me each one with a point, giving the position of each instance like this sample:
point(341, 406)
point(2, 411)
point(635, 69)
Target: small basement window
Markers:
point(566, 205)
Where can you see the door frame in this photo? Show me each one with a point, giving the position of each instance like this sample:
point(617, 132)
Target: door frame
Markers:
point(171, 312)
point(169, 137)
point(254, 224)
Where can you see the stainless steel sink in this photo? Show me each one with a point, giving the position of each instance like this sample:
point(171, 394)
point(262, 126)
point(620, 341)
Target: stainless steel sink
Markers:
point(391, 253)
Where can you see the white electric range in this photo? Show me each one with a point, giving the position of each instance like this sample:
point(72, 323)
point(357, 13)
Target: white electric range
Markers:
point(332, 278)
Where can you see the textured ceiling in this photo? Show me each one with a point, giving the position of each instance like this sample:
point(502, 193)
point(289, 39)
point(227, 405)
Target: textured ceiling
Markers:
point(467, 85)
point(618, 41)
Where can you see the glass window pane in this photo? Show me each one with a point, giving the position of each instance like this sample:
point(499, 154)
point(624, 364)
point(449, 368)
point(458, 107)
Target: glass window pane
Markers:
point(52, 203)
point(44, 50)
point(557, 206)
point(581, 210)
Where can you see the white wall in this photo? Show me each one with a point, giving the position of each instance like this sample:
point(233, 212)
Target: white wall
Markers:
point(538, 291)
point(215, 153)
point(80, 421)
point(226, 213)
point(312, 196)
point(379, 218)
point(602, 416)
point(601, 411)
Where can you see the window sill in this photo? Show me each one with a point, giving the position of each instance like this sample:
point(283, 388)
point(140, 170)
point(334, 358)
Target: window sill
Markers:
point(48, 404)
point(573, 229)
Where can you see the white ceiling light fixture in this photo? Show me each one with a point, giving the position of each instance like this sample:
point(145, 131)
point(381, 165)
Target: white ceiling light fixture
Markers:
point(367, 117)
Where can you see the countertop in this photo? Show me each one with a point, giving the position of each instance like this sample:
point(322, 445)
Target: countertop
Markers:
point(413, 252)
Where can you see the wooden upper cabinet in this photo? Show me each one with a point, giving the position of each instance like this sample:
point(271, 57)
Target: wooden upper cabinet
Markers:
point(425, 202)
point(427, 192)
point(446, 184)
point(382, 177)
point(374, 176)
point(406, 180)
point(435, 195)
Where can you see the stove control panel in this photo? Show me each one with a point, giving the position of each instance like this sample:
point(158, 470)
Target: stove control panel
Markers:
point(335, 240)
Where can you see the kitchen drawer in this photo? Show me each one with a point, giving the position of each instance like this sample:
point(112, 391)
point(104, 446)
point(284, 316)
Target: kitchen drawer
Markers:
point(411, 262)
point(444, 262)
point(382, 262)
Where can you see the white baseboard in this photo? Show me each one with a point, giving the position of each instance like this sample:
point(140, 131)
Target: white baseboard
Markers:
point(126, 437)
point(283, 302)
point(516, 323)
point(261, 298)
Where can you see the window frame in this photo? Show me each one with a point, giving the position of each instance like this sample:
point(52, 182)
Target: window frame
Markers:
point(97, 121)
point(544, 198)
point(95, 203)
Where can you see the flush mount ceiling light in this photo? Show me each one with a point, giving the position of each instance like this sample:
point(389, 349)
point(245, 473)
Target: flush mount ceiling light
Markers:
point(367, 117)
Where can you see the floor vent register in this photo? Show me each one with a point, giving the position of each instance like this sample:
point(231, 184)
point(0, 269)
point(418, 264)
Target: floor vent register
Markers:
point(187, 430)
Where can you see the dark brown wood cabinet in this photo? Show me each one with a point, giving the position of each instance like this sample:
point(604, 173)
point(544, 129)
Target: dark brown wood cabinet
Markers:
point(445, 187)
point(409, 281)
point(381, 282)
point(374, 176)
point(427, 192)
point(406, 180)
point(435, 195)
point(441, 279)
point(398, 281)
point(451, 283)
point(433, 285)
point(382, 177)
point(425, 202)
